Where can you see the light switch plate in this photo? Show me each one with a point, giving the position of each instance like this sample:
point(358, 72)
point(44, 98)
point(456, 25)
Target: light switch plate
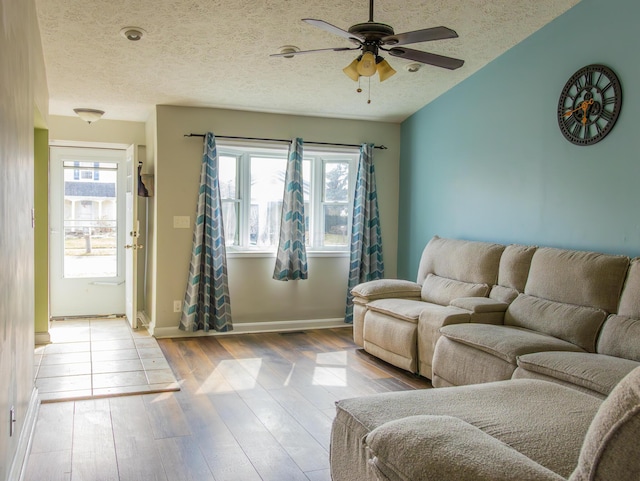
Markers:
point(181, 221)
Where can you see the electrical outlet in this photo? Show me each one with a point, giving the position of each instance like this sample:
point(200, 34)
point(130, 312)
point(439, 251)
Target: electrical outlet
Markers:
point(177, 306)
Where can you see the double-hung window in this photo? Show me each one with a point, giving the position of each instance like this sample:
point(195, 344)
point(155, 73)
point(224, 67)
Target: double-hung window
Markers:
point(252, 187)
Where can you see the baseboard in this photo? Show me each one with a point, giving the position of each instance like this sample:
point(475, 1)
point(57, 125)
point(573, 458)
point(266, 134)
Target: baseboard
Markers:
point(42, 338)
point(144, 320)
point(19, 463)
point(254, 327)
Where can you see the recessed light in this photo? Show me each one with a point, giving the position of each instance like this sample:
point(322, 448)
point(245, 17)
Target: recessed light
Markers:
point(132, 33)
point(289, 49)
point(413, 67)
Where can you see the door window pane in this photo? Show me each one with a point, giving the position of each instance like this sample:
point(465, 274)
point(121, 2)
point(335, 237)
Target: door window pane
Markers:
point(90, 220)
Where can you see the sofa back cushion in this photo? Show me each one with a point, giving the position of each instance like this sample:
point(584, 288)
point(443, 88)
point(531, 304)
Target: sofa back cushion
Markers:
point(620, 337)
point(466, 261)
point(578, 325)
point(576, 277)
point(515, 263)
point(610, 449)
point(512, 273)
point(440, 290)
point(630, 297)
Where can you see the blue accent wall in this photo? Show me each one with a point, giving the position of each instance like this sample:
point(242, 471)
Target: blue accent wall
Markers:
point(487, 161)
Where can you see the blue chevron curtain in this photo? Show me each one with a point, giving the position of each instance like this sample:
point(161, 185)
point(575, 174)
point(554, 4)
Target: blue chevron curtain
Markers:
point(206, 303)
point(366, 262)
point(291, 260)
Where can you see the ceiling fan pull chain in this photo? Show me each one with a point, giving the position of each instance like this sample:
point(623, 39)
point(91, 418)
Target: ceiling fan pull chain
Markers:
point(359, 89)
point(369, 93)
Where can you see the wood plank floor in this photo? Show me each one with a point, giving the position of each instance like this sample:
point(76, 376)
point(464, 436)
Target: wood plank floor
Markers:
point(251, 407)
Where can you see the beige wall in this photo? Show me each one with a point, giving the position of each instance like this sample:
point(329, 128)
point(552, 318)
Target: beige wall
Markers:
point(109, 131)
point(255, 297)
point(22, 92)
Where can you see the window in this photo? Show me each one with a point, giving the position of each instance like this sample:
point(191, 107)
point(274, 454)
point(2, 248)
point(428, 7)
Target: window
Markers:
point(252, 187)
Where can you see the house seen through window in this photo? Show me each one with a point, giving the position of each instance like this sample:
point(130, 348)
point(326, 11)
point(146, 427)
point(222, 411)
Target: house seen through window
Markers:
point(252, 186)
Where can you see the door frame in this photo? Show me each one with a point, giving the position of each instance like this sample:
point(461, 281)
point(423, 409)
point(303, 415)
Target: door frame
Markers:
point(129, 284)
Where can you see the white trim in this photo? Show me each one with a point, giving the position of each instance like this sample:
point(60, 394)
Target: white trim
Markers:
point(19, 463)
point(88, 145)
point(255, 327)
point(144, 319)
point(233, 253)
point(42, 338)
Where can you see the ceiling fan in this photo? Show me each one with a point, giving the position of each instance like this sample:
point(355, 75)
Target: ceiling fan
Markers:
point(371, 37)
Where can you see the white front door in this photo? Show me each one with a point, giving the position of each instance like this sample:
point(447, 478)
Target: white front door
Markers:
point(132, 233)
point(87, 219)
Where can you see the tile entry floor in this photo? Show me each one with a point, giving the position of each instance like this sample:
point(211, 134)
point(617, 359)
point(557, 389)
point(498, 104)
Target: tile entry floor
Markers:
point(100, 357)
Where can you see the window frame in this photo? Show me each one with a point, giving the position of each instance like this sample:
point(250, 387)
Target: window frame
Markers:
point(318, 157)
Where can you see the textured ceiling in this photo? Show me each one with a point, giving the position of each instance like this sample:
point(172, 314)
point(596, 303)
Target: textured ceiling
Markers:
point(215, 53)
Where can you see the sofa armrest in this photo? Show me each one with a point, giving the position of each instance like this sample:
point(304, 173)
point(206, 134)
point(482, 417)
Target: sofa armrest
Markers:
point(480, 304)
point(442, 448)
point(386, 289)
point(431, 319)
point(483, 309)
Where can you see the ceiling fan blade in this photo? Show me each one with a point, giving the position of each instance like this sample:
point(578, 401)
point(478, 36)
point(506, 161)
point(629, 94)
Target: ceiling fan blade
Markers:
point(336, 49)
point(426, 57)
point(424, 35)
point(332, 29)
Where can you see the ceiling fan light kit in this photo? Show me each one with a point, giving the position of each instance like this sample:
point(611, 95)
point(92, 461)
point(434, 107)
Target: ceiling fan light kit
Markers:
point(384, 69)
point(367, 65)
point(351, 70)
point(371, 37)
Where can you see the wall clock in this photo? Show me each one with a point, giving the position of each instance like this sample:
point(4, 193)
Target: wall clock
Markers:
point(589, 105)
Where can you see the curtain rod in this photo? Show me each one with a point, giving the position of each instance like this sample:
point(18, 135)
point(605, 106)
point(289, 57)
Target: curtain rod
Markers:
point(381, 147)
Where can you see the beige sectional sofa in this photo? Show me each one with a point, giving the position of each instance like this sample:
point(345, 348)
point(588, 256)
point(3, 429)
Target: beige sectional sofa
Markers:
point(482, 312)
point(496, 324)
point(517, 430)
point(388, 313)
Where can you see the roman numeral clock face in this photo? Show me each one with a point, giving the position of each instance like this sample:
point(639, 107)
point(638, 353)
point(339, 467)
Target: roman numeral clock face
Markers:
point(589, 105)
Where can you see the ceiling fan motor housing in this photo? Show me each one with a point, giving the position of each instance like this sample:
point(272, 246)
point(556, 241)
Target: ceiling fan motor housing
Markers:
point(371, 31)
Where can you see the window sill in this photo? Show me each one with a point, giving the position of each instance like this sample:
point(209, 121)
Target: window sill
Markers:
point(260, 254)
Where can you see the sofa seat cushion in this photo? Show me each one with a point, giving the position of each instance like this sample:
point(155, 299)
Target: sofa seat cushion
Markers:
point(547, 426)
point(505, 342)
point(387, 288)
point(405, 309)
point(441, 290)
point(596, 372)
